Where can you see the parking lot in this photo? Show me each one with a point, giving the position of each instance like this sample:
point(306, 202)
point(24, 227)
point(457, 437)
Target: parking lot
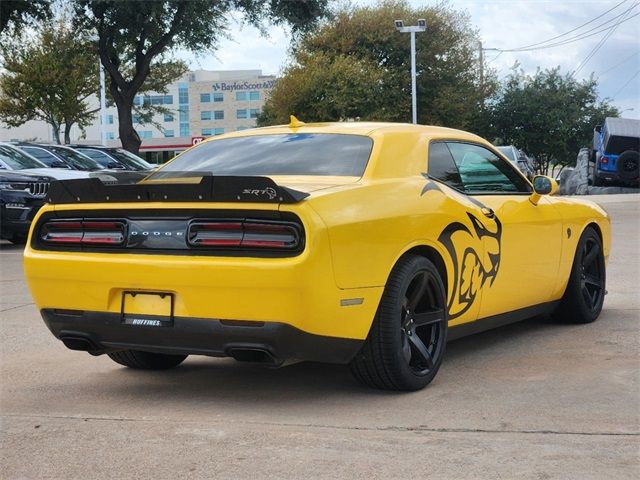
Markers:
point(531, 400)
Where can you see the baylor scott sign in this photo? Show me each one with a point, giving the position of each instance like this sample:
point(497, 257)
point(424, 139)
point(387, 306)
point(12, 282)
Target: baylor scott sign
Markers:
point(234, 86)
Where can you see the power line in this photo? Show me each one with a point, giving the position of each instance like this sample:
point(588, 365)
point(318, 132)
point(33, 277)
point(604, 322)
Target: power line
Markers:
point(598, 46)
point(576, 38)
point(625, 85)
point(574, 29)
point(619, 63)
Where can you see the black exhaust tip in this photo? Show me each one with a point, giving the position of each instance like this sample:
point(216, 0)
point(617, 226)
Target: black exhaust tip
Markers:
point(254, 355)
point(79, 343)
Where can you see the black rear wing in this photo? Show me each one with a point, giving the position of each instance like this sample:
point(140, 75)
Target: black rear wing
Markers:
point(208, 189)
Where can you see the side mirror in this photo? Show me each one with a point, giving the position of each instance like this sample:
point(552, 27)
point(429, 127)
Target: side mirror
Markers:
point(542, 185)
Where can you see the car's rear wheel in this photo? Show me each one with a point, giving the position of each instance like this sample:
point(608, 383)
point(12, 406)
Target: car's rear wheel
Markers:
point(407, 340)
point(584, 296)
point(146, 360)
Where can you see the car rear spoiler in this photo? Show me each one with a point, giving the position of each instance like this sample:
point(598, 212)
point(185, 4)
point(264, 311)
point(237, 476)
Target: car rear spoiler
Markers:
point(208, 189)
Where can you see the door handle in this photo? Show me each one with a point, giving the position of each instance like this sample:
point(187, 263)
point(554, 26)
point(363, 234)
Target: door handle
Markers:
point(488, 212)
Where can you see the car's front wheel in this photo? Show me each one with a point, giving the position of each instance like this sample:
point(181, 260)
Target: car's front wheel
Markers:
point(408, 336)
point(146, 360)
point(584, 296)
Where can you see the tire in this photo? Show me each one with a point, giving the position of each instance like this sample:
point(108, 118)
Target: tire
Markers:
point(407, 340)
point(597, 181)
point(584, 296)
point(627, 166)
point(146, 360)
point(18, 239)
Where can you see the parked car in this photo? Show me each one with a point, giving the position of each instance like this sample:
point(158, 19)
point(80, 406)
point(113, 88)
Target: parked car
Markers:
point(368, 244)
point(519, 159)
point(614, 156)
point(79, 164)
point(21, 196)
point(12, 158)
point(58, 156)
point(115, 158)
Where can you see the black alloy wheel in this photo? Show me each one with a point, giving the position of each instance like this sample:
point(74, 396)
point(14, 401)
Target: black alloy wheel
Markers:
point(592, 273)
point(421, 323)
point(407, 340)
point(583, 299)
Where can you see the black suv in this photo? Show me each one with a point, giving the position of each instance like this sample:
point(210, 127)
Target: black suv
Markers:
point(21, 196)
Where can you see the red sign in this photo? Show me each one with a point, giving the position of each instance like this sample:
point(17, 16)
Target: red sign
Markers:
point(196, 140)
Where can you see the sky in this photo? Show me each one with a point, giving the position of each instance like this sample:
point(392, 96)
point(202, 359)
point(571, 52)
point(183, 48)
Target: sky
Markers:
point(502, 24)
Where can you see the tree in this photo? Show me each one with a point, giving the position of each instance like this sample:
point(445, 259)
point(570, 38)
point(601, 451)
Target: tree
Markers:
point(548, 115)
point(49, 78)
point(358, 65)
point(133, 37)
point(14, 14)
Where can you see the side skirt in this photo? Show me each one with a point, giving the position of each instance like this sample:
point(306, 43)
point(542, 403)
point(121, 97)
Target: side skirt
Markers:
point(495, 321)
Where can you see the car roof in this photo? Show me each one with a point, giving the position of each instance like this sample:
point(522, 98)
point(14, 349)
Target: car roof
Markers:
point(355, 128)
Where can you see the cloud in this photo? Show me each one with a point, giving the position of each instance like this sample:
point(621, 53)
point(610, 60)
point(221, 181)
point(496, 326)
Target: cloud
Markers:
point(503, 24)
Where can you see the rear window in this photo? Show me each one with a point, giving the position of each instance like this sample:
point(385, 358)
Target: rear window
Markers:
point(280, 154)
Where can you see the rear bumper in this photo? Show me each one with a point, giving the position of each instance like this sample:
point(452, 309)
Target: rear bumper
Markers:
point(270, 342)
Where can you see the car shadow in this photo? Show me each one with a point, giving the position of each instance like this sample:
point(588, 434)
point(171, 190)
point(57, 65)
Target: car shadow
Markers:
point(8, 246)
point(204, 378)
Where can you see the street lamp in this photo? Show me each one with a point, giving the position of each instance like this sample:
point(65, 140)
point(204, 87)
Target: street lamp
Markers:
point(421, 27)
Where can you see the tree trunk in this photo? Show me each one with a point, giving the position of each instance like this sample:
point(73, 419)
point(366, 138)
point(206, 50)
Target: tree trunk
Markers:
point(56, 132)
point(67, 133)
point(128, 135)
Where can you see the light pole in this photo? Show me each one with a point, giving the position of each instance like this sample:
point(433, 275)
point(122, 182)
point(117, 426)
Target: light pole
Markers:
point(421, 27)
point(103, 107)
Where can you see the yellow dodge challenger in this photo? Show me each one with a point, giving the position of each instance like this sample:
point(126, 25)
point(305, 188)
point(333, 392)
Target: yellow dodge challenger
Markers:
point(368, 244)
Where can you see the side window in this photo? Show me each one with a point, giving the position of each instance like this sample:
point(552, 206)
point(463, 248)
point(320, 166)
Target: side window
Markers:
point(482, 171)
point(41, 155)
point(441, 165)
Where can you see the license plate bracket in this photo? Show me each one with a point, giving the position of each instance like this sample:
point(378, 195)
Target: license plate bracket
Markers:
point(147, 309)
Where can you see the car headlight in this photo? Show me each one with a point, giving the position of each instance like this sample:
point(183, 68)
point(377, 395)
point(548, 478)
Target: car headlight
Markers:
point(14, 186)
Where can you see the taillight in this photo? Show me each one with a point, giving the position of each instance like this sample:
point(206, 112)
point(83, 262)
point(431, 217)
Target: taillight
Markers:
point(244, 234)
point(93, 232)
point(604, 160)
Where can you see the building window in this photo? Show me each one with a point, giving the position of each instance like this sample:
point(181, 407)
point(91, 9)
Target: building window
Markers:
point(241, 113)
point(184, 129)
point(136, 119)
point(205, 97)
point(183, 93)
point(205, 132)
point(242, 128)
point(218, 97)
point(168, 117)
point(168, 133)
point(218, 131)
point(109, 119)
point(205, 115)
point(254, 112)
point(168, 99)
point(254, 95)
point(111, 136)
point(137, 100)
point(145, 133)
point(218, 115)
point(241, 96)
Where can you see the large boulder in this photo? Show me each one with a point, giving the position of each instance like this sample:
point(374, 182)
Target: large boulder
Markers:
point(576, 181)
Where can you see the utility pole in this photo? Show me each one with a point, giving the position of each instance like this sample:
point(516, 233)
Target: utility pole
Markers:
point(421, 27)
point(481, 62)
point(103, 107)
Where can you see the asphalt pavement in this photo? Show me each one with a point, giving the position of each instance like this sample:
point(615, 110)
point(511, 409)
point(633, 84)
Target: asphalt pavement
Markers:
point(533, 400)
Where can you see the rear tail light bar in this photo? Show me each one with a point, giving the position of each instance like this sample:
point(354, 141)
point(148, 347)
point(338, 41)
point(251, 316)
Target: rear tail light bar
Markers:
point(83, 232)
point(244, 234)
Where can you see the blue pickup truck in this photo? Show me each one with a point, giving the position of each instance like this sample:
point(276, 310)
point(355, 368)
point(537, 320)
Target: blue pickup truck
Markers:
point(614, 156)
